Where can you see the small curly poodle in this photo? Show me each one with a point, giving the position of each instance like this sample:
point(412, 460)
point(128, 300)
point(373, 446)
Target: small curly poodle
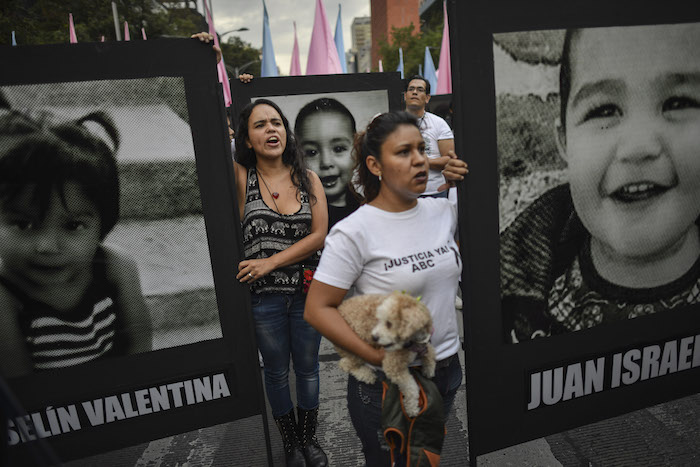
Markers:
point(402, 325)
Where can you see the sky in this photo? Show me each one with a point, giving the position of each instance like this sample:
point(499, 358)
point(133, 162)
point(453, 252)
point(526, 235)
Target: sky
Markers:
point(234, 14)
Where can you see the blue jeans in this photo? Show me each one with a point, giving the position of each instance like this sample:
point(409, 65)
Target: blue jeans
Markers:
point(365, 407)
point(281, 330)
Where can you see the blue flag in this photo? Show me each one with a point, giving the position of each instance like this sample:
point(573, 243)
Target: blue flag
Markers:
point(429, 68)
point(400, 67)
point(339, 44)
point(268, 67)
point(14, 41)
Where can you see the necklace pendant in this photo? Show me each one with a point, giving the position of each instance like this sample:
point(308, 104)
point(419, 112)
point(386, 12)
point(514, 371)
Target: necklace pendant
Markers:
point(275, 195)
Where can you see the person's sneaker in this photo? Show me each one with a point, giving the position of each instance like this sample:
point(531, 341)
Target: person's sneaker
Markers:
point(458, 303)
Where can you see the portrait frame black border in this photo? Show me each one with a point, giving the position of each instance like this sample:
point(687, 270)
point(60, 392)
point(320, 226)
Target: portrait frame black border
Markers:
point(244, 93)
point(234, 354)
point(497, 373)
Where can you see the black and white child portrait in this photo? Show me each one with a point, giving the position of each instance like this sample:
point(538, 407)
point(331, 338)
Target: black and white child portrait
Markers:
point(612, 234)
point(103, 251)
point(325, 126)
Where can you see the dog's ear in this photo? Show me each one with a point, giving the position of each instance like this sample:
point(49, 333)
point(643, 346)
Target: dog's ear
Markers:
point(411, 319)
point(421, 337)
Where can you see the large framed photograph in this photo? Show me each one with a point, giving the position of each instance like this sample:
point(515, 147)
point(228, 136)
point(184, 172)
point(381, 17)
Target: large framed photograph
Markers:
point(580, 218)
point(325, 113)
point(121, 319)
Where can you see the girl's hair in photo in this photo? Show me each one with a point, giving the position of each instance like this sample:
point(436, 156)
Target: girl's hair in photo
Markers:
point(291, 156)
point(323, 104)
point(45, 153)
point(565, 74)
point(369, 143)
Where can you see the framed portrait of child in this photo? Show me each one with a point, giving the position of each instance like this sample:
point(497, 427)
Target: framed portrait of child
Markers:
point(325, 112)
point(581, 126)
point(120, 321)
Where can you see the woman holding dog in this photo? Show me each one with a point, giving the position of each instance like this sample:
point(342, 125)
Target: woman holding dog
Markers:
point(364, 252)
point(285, 219)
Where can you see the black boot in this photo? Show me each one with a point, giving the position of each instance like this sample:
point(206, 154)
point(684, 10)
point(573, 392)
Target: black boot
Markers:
point(315, 457)
point(287, 425)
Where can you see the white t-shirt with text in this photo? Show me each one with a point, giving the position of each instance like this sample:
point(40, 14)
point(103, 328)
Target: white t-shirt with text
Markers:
point(376, 251)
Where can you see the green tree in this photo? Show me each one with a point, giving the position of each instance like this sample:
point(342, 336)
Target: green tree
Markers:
point(240, 55)
point(413, 45)
point(46, 21)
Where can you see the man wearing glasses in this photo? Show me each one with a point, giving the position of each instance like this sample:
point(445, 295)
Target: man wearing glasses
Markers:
point(439, 140)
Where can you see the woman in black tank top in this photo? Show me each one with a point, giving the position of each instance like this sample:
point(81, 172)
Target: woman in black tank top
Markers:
point(285, 220)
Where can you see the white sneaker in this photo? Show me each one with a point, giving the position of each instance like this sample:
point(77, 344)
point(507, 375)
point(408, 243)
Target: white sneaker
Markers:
point(458, 303)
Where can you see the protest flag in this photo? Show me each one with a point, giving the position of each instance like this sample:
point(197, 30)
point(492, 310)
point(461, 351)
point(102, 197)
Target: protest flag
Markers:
point(444, 79)
point(339, 43)
point(71, 30)
point(323, 54)
point(220, 67)
point(295, 67)
point(429, 69)
point(268, 67)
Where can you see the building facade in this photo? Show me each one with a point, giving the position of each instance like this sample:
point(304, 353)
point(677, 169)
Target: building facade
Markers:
point(391, 13)
point(361, 30)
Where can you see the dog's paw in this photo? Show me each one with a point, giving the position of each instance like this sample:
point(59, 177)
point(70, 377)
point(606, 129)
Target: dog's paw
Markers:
point(410, 405)
point(428, 369)
point(364, 374)
point(346, 365)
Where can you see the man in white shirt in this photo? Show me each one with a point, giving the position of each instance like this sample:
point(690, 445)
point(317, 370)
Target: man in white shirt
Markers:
point(439, 140)
point(438, 137)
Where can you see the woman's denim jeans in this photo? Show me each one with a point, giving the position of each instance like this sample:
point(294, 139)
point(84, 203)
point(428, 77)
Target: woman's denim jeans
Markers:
point(281, 330)
point(365, 407)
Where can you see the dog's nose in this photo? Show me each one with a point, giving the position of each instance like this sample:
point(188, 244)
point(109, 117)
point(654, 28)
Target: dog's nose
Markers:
point(375, 338)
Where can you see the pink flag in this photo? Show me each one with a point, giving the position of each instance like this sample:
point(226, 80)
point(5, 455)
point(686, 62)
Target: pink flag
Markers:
point(71, 30)
point(323, 54)
point(295, 67)
point(143, 34)
point(444, 78)
point(126, 31)
point(381, 67)
point(220, 67)
point(102, 38)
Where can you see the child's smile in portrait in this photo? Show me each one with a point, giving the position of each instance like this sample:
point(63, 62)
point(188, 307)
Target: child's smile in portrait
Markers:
point(631, 139)
point(50, 255)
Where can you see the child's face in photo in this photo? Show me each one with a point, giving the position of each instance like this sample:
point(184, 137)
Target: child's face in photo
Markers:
point(632, 136)
point(42, 255)
point(326, 140)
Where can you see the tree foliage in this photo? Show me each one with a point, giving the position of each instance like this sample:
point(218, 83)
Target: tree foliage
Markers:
point(46, 21)
point(413, 45)
point(238, 55)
